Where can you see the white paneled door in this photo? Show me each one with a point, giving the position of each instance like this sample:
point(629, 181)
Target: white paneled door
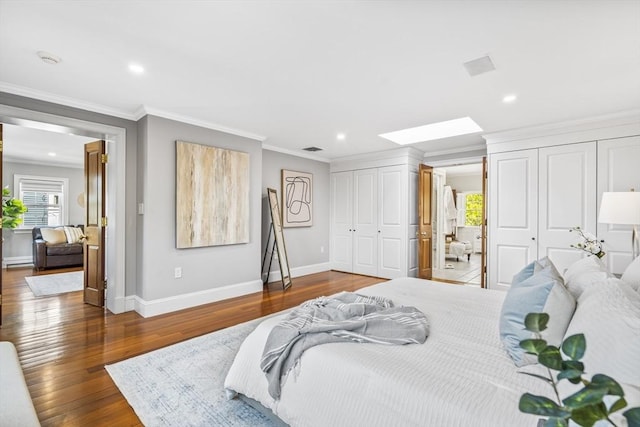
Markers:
point(513, 214)
point(567, 199)
point(618, 170)
point(392, 214)
point(365, 222)
point(341, 249)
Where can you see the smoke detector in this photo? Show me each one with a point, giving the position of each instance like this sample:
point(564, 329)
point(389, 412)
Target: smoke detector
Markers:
point(49, 58)
point(312, 149)
point(479, 66)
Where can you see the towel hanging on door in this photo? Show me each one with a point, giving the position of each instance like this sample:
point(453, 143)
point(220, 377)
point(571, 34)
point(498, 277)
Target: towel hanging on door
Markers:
point(450, 211)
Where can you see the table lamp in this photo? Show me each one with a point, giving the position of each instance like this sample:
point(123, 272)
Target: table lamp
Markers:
point(622, 208)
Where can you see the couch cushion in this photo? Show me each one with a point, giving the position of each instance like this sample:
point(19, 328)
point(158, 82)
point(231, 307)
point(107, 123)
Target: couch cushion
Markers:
point(53, 236)
point(64, 249)
point(74, 234)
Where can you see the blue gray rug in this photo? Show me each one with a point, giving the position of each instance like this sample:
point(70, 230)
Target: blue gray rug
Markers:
point(183, 384)
point(54, 284)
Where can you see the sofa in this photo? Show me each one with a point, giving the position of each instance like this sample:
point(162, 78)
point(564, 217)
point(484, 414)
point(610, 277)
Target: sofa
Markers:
point(57, 251)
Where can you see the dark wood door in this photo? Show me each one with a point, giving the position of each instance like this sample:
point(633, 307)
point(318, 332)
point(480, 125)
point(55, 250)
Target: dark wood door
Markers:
point(425, 226)
point(95, 222)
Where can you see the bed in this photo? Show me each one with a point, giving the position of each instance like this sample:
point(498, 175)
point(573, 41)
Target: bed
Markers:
point(460, 376)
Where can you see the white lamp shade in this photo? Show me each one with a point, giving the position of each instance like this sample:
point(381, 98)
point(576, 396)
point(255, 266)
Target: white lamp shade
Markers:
point(620, 208)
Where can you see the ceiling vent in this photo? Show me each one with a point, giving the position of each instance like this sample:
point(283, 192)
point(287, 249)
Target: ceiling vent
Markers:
point(49, 58)
point(479, 66)
point(312, 149)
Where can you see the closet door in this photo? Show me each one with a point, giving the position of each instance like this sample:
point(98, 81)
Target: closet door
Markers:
point(392, 221)
point(618, 170)
point(341, 220)
point(513, 214)
point(365, 222)
point(567, 198)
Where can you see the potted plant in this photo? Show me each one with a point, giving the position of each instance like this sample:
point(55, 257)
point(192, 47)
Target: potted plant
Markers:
point(12, 210)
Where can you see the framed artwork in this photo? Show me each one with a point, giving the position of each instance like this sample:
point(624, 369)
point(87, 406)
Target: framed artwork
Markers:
point(212, 196)
point(297, 199)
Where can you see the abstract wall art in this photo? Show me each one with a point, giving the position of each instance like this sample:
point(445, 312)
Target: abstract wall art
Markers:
point(297, 199)
point(212, 196)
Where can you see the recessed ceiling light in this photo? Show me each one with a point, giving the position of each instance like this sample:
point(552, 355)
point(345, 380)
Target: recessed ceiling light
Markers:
point(461, 126)
point(341, 137)
point(508, 99)
point(49, 58)
point(136, 68)
point(52, 154)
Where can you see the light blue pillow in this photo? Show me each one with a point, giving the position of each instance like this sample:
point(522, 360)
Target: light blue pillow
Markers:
point(537, 288)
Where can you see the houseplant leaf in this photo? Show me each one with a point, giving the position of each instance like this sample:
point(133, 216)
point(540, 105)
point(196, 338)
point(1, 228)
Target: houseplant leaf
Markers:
point(533, 346)
point(555, 422)
point(551, 358)
point(540, 405)
point(604, 381)
point(633, 417)
point(588, 415)
point(536, 322)
point(587, 396)
point(620, 403)
point(570, 374)
point(574, 346)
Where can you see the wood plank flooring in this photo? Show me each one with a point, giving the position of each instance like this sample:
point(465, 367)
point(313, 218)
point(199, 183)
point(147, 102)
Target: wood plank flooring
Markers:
point(63, 344)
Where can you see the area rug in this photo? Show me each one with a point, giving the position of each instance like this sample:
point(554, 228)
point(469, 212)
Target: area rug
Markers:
point(183, 384)
point(53, 284)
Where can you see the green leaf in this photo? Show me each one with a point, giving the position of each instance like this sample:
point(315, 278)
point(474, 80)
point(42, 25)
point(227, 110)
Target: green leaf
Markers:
point(540, 405)
point(555, 422)
point(570, 374)
point(588, 415)
point(573, 364)
point(533, 346)
point(536, 322)
point(633, 417)
point(574, 346)
point(589, 395)
point(551, 358)
point(620, 403)
point(604, 381)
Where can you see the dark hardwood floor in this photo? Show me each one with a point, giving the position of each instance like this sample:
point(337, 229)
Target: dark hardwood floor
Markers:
point(63, 344)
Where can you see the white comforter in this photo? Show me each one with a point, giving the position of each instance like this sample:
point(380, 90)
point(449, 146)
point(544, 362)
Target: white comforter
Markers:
point(461, 376)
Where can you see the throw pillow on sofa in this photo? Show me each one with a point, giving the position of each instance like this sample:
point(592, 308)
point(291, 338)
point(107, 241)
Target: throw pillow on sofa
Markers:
point(73, 234)
point(53, 236)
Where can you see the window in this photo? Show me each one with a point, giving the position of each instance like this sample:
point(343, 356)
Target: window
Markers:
point(469, 209)
point(45, 199)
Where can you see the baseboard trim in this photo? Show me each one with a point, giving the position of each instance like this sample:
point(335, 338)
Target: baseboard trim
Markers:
point(299, 271)
point(17, 260)
point(180, 302)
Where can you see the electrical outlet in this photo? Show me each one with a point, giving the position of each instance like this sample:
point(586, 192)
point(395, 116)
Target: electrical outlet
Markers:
point(140, 208)
point(177, 273)
point(321, 249)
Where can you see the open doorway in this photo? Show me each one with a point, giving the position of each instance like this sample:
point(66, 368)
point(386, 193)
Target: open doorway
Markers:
point(457, 232)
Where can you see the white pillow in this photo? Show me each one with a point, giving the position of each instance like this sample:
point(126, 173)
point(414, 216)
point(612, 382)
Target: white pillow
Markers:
point(53, 236)
point(583, 274)
point(631, 275)
point(534, 290)
point(609, 317)
point(73, 234)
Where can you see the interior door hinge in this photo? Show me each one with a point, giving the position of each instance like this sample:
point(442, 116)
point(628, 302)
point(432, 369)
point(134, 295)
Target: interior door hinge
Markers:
point(1, 145)
point(103, 221)
point(105, 284)
point(0, 299)
point(104, 158)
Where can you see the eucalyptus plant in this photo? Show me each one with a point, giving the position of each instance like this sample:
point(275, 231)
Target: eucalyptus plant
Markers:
point(12, 209)
point(586, 406)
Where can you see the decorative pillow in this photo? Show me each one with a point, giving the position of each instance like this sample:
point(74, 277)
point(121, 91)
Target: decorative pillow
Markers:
point(631, 275)
point(535, 289)
point(73, 234)
point(585, 273)
point(609, 317)
point(54, 236)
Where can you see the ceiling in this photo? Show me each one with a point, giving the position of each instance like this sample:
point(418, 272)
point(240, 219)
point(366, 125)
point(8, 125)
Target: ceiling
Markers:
point(295, 74)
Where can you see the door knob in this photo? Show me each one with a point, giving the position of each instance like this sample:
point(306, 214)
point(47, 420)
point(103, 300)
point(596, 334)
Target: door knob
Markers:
point(533, 238)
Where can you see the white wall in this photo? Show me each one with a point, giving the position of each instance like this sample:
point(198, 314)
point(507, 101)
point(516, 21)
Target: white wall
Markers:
point(18, 243)
point(304, 244)
point(465, 183)
point(209, 273)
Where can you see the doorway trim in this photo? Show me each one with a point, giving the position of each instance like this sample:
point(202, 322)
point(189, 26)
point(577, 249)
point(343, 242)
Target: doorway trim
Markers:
point(115, 138)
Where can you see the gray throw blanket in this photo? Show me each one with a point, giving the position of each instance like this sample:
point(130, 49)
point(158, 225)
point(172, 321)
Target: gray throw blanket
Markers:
point(344, 317)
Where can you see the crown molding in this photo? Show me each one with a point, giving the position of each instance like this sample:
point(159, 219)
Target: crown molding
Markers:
point(294, 153)
point(461, 150)
point(144, 110)
point(64, 100)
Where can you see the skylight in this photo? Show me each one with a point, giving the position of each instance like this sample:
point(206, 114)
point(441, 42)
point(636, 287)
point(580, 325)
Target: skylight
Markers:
point(461, 126)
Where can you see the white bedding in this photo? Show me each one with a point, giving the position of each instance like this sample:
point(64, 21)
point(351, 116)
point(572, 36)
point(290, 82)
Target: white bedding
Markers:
point(461, 376)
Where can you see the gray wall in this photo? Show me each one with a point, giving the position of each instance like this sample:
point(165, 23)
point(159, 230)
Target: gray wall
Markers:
point(202, 268)
point(18, 244)
point(304, 243)
point(130, 168)
point(465, 182)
